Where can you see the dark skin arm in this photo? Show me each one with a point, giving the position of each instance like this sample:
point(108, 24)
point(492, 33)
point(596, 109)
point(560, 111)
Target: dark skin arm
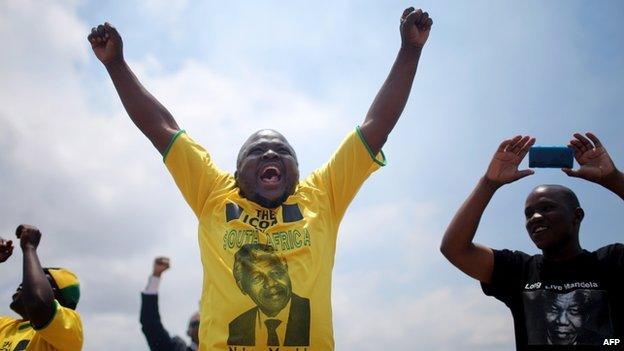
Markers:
point(596, 164)
point(457, 245)
point(146, 112)
point(37, 293)
point(392, 97)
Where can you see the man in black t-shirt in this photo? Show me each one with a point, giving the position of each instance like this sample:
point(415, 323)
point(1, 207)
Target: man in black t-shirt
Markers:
point(566, 295)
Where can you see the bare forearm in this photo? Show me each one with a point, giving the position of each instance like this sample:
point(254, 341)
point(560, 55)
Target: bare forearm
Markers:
point(149, 115)
point(391, 98)
point(462, 229)
point(615, 183)
point(37, 293)
point(458, 247)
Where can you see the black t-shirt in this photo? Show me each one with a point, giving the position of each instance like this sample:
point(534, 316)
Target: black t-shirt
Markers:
point(575, 302)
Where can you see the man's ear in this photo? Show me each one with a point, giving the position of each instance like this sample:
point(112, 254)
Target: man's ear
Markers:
point(579, 214)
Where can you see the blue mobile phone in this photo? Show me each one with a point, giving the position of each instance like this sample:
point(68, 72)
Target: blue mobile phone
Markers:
point(551, 157)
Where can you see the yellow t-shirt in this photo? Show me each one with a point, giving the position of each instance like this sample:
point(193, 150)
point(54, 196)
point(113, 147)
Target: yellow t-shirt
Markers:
point(63, 333)
point(302, 232)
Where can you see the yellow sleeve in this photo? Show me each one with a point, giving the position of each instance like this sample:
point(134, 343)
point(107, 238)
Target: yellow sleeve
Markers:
point(193, 171)
point(64, 331)
point(4, 320)
point(343, 175)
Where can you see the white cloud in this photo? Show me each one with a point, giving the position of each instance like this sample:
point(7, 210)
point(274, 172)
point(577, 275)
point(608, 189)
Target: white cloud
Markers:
point(164, 11)
point(432, 319)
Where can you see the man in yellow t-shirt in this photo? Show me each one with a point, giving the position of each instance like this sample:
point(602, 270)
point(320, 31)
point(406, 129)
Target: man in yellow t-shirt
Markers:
point(46, 301)
point(267, 239)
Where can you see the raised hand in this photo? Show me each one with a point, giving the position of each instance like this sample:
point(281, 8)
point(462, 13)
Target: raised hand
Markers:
point(106, 43)
point(29, 236)
point(6, 249)
point(596, 164)
point(415, 28)
point(503, 168)
point(161, 264)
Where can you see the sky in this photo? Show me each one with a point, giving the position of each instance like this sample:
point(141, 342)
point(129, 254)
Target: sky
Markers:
point(73, 163)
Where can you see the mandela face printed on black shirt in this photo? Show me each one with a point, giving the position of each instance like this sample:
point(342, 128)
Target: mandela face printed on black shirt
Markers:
point(263, 275)
point(578, 317)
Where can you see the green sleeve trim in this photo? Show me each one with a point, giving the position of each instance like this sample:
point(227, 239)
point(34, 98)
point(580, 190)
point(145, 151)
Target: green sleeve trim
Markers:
point(56, 305)
point(24, 325)
point(173, 139)
point(383, 161)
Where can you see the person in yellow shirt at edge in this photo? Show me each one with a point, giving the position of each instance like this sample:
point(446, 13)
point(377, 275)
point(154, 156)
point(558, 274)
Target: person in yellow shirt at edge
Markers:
point(46, 301)
point(267, 240)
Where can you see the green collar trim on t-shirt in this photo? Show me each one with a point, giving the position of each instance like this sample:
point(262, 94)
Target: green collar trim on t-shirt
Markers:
point(173, 139)
point(24, 325)
point(383, 160)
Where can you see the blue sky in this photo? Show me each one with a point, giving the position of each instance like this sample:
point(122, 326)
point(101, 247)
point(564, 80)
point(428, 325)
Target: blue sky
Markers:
point(75, 165)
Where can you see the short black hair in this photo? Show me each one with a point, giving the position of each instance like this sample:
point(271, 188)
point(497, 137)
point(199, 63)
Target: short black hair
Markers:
point(567, 194)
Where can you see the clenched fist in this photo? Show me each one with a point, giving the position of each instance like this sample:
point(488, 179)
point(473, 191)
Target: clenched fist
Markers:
point(415, 28)
point(106, 43)
point(161, 264)
point(28, 235)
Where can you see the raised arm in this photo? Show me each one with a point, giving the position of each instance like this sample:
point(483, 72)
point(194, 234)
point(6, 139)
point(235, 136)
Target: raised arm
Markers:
point(146, 112)
point(155, 333)
point(391, 98)
point(596, 164)
point(37, 292)
point(457, 246)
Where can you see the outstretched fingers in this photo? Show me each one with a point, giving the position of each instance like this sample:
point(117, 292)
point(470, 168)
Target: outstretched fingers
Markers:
point(583, 143)
point(510, 143)
point(516, 144)
point(594, 139)
point(525, 148)
point(503, 145)
point(521, 149)
point(577, 146)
